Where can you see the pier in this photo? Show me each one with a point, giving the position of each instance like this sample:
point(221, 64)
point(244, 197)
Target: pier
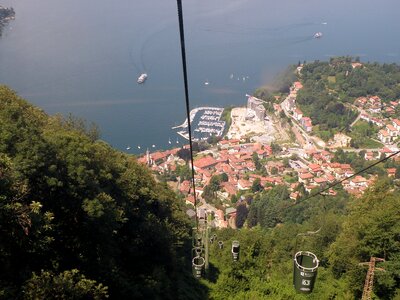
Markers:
point(206, 122)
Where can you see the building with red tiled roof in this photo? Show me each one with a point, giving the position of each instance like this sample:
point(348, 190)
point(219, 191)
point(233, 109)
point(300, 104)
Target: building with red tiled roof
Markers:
point(330, 177)
point(297, 85)
point(297, 114)
point(356, 65)
point(189, 199)
point(230, 188)
point(392, 130)
point(358, 181)
point(295, 195)
point(391, 172)
point(206, 162)
point(384, 136)
point(396, 124)
point(360, 102)
point(244, 184)
point(184, 188)
point(320, 180)
point(305, 177)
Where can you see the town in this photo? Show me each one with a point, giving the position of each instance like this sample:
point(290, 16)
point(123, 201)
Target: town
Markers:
point(257, 154)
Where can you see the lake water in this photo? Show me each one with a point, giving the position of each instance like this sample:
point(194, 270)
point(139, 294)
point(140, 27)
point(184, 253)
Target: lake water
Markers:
point(84, 57)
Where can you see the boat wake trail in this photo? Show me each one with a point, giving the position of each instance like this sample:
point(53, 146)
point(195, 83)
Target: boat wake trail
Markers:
point(243, 30)
point(139, 63)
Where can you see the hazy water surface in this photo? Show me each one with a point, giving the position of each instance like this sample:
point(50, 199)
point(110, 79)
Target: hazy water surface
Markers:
point(85, 56)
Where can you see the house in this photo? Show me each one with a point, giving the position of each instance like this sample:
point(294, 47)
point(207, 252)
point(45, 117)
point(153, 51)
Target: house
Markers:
point(262, 154)
point(297, 114)
point(396, 124)
point(384, 136)
point(289, 104)
point(377, 122)
point(220, 221)
point(391, 172)
point(385, 152)
point(295, 195)
point(375, 101)
point(244, 184)
point(230, 212)
point(320, 181)
point(365, 117)
point(356, 65)
point(306, 123)
point(389, 110)
point(393, 132)
point(358, 181)
point(305, 177)
point(275, 164)
point(190, 200)
point(206, 162)
point(361, 102)
point(230, 188)
point(369, 155)
point(315, 169)
point(297, 86)
point(326, 155)
point(330, 177)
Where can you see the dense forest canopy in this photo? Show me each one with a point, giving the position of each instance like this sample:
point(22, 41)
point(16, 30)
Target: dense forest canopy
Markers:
point(80, 219)
point(349, 232)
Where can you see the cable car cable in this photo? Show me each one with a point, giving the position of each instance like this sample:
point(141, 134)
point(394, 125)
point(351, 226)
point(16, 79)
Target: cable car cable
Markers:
point(183, 52)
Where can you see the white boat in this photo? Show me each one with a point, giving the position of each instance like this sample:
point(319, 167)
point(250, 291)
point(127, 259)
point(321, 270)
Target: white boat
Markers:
point(142, 78)
point(206, 82)
point(169, 141)
point(317, 35)
point(128, 148)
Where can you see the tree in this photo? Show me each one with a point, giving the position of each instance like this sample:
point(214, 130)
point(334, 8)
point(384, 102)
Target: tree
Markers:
point(224, 177)
point(184, 154)
point(66, 285)
point(276, 148)
point(256, 161)
point(256, 186)
point(241, 215)
point(184, 172)
point(371, 229)
point(69, 201)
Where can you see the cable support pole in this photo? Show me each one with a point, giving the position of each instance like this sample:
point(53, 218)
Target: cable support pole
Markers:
point(369, 279)
point(183, 52)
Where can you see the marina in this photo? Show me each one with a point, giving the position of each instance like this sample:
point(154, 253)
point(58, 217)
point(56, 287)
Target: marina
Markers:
point(206, 122)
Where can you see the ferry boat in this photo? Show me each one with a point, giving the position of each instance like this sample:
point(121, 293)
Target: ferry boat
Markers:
point(317, 35)
point(142, 78)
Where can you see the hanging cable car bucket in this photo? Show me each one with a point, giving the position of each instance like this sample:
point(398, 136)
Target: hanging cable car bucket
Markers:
point(197, 251)
point(197, 239)
point(221, 244)
point(197, 266)
point(305, 271)
point(235, 250)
